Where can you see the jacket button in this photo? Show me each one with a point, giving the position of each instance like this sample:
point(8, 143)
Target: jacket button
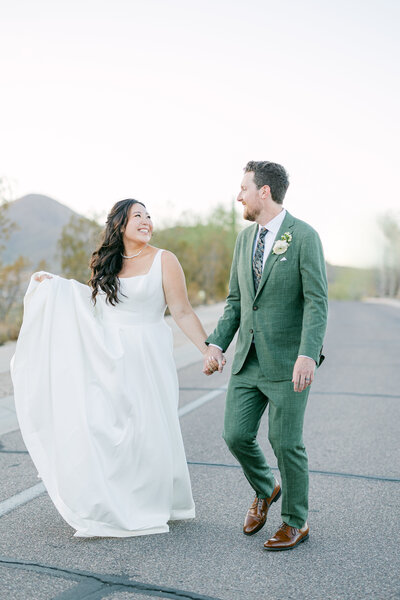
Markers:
point(251, 331)
point(255, 307)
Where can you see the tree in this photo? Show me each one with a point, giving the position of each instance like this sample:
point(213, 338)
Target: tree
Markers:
point(12, 277)
point(390, 270)
point(6, 226)
point(204, 249)
point(76, 244)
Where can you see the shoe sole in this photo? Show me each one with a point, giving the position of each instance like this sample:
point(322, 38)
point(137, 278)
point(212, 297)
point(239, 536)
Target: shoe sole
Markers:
point(278, 495)
point(287, 548)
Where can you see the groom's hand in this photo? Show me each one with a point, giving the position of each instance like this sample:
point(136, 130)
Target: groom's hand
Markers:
point(214, 360)
point(303, 373)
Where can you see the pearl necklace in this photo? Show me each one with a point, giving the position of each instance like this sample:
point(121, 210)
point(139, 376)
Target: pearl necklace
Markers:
point(134, 255)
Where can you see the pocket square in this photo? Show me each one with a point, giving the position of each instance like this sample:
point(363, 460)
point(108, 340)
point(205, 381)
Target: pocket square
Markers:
point(284, 258)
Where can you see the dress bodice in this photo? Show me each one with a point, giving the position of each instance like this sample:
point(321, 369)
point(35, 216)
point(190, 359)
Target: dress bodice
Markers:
point(142, 299)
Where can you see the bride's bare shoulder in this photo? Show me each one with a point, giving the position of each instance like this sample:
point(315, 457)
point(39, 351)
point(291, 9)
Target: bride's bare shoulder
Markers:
point(170, 263)
point(168, 257)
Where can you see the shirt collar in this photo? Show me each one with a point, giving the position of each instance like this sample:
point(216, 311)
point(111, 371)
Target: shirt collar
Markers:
point(274, 224)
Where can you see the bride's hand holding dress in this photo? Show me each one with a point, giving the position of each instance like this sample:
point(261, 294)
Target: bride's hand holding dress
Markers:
point(42, 277)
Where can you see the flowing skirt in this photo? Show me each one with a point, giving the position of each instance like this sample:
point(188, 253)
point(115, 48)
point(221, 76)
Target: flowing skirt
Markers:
point(96, 400)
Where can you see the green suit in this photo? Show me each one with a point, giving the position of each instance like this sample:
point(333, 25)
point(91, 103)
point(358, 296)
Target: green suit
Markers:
point(285, 318)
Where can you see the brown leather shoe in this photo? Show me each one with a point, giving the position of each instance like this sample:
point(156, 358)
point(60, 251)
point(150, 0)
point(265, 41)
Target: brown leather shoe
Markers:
point(287, 537)
point(257, 514)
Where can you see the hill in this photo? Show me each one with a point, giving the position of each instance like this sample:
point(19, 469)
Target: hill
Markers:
point(352, 283)
point(40, 220)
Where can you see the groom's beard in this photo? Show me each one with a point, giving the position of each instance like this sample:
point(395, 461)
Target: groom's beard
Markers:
point(248, 215)
point(251, 213)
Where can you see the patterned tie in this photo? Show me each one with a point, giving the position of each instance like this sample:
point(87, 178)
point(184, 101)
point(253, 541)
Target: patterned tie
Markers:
point(258, 258)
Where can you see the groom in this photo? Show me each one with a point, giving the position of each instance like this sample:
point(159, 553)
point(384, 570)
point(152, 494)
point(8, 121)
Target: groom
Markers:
point(278, 301)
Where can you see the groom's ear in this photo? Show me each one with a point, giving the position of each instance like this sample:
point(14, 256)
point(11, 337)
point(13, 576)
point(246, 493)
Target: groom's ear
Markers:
point(265, 191)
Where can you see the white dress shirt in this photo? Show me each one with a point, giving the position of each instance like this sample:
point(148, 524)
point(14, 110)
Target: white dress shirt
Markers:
point(273, 227)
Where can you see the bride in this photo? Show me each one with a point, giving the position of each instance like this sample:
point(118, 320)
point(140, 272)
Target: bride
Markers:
point(96, 388)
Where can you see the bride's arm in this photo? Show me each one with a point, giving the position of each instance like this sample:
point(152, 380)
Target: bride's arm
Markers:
point(178, 303)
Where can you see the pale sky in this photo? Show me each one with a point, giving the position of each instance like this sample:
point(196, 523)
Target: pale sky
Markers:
point(166, 101)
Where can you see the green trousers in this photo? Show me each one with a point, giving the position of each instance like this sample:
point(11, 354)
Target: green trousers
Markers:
point(249, 393)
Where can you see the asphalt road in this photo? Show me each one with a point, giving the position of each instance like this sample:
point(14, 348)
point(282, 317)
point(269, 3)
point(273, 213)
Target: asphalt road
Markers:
point(352, 438)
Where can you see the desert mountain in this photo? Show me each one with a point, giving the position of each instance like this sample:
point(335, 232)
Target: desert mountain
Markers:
point(40, 220)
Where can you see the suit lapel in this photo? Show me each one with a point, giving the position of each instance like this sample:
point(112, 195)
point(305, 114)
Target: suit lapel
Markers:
point(249, 255)
point(287, 225)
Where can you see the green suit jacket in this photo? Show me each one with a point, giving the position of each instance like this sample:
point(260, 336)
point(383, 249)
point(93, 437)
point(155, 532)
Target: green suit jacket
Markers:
point(287, 316)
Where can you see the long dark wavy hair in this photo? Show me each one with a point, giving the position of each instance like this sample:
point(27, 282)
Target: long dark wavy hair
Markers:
point(106, 261)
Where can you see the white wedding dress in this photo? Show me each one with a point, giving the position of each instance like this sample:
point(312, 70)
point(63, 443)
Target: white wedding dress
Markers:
point(96, 394)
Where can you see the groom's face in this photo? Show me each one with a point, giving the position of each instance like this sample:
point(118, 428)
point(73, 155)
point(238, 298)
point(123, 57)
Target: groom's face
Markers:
point(250, 197)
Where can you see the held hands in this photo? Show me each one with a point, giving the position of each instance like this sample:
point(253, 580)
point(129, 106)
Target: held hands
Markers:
point(214, 360)
point(303, 373)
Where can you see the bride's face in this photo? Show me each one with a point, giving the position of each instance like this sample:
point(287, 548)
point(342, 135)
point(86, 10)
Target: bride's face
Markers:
point(139, 227)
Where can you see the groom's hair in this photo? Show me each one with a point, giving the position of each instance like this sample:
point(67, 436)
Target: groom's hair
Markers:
point(271, 174)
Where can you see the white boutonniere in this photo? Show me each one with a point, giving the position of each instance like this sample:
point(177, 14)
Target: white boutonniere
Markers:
point(283, 244)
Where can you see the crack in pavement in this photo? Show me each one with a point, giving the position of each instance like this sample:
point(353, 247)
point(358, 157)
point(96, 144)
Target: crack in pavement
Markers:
point(312, 392)
point(96, 585)
point(5, 451)
point(314, 471)
point(359, 394)
point(10, 504)
point(203, 389)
